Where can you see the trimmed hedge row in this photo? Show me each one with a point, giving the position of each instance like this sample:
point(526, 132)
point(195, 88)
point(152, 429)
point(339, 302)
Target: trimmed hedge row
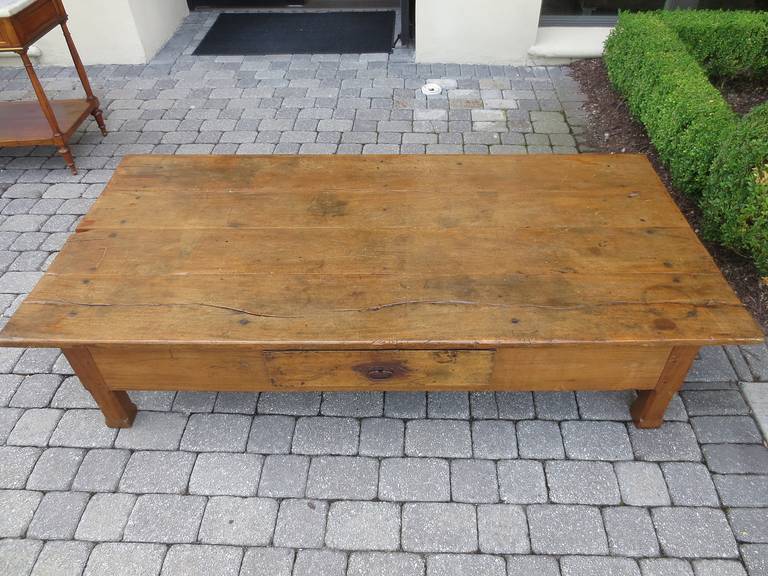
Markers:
point(659, 62)
point(735, 203)
point(666, 89)
point(726, 43)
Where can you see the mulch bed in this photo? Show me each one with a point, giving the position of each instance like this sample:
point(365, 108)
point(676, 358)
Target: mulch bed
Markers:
point(611, 128)
point(745, 94)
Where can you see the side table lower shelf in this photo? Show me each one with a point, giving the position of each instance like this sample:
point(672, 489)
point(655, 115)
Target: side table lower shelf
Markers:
point(24, 124)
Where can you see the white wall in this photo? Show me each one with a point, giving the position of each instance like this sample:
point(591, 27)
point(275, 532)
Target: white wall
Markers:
point(476, 31)
point(569, 42)
point(156, 21)
point(114, 31)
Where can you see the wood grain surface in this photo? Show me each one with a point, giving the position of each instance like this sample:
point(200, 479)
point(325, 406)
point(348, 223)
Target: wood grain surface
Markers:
point(350, 252)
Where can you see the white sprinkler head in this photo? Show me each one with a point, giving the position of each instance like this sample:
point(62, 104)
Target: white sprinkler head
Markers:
point(431, 89)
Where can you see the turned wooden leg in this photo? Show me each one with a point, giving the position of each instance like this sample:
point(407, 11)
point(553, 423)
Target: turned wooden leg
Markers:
point(99, 116)
point(117, 408)
point(648, 410)
point(66, 153)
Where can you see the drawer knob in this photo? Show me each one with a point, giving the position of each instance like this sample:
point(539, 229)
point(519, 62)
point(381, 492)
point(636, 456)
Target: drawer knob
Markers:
point(380, 373)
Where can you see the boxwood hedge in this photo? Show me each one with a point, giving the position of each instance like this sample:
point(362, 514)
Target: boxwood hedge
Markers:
point(669, 92)
point(727, 44)
point(735, 203)
point(661, 62)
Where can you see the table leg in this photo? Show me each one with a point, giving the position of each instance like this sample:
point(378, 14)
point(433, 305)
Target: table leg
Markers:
point(50, 116)
point(648, 410)
point(97, 113)
point(116, 406)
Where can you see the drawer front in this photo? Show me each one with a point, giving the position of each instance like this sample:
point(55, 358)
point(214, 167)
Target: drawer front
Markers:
point(380, 370)
point(36, 20)
point(6, 35)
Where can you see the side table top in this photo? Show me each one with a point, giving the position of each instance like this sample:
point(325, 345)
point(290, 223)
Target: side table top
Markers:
point(9, 8)
point(331, 252)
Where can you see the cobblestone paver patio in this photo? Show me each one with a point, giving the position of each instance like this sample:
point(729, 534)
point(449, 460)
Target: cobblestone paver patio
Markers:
point(513, 484)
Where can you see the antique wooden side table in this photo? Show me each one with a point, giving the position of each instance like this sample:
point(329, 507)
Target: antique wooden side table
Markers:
point(44, 122)
point(235, 273)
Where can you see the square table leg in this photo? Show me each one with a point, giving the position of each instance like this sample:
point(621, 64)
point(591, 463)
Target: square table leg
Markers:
point(648, 410)
point(116, 406)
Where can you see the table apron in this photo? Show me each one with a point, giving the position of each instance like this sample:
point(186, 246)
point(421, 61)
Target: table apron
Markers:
point(531, 368)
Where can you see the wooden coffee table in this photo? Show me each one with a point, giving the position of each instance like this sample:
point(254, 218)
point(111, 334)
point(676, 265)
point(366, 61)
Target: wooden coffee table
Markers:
point(382, 273)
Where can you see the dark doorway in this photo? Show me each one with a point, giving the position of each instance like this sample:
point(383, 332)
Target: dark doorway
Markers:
point(221, 4)
point(300, 32)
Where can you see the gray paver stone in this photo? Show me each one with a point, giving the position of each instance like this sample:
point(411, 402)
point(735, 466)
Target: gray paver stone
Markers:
point(474, 481)
point(363, 526)
point(105, 517)
point(320, 563)
point(301, 523)
point(540, 439)
point(326, 435)
point(694, 533)
point(494, 439)
point(18, 556)
point(673, 441)
point(503, 529)
point(439, 528)
point(690, 484)
point(381, 437)
point(439, 438)
point(718, 568)
point(202, 560)
point(522, 481)
point(238, 521)
point(630, 532)
point(55, 469)
point(464, 565)
point(153, 431)
point(529, 565)
point(271, 434)
point(159, 472)
point(267, 562)
point(216, 433)
point(226, 474)
point(596, 441)
point(101, 470)
point(385, 564)
point(642, 484)
point(749, 525)
point(57, 516)
point(560, 529)
point(284, 476)
point(62, 558)
point(587, 566)
point(343, 478)
point(577, 482)
point(18, 507)
point(414, 479)
point(165, 518)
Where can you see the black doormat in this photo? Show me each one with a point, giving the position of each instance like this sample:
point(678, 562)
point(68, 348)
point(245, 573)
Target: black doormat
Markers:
point(299, 33)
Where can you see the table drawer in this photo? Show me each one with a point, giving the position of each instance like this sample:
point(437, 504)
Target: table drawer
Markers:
point(36, 20)
point(380, 370)
point(5, 36)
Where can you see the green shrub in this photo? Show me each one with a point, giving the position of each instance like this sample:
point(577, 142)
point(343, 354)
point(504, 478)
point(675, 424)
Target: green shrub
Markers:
point(735, 202)
point(727, 44)
point(669, 92)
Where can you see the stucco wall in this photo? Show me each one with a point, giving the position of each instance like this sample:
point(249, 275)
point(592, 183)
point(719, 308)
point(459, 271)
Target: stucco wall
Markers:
point(476, 31)
point(114, 31)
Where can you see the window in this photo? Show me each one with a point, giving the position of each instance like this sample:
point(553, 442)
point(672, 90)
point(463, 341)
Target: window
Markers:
point(603, 12)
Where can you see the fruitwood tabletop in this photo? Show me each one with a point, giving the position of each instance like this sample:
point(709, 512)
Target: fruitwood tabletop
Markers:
point(341, 273)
